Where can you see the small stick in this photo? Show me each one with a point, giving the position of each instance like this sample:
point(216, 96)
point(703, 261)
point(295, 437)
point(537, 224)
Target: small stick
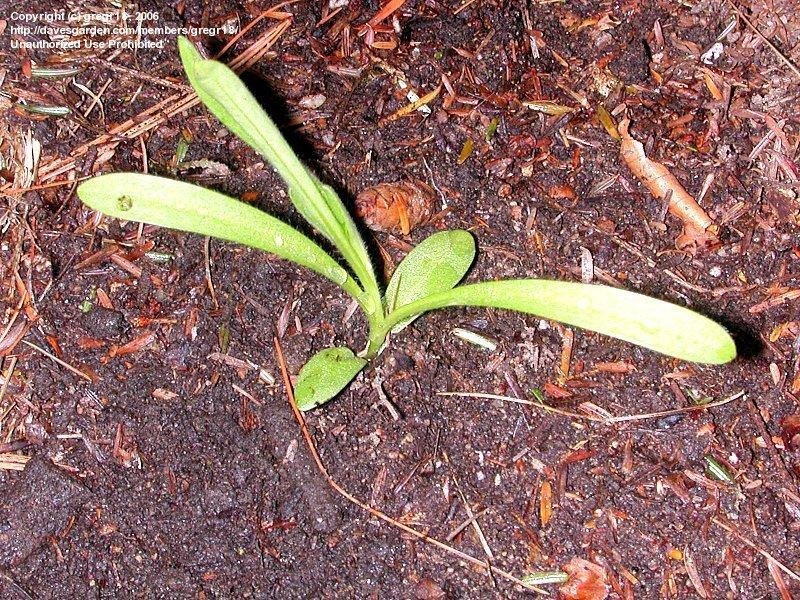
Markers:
point(661, 183)
point(762, 552)
point(473, 519)
point(374, 512)
point(433, 183)
point(772, 46)
point(267, 13)
point(451, 536)
point(66, 365)
point(209, 281)
point(9, 374)
point(758, 421)
point(606, 421)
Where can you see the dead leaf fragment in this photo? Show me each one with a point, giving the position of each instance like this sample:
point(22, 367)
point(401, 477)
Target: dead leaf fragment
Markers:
point(699, 230)
point(396, 207)
point(164, 394)
point(136, 345)
point(12, 336)
point(587, 581)
point(428, 589)
point(414, 105)
point(545, 503)
point(790, 426)
point(694, 574)
point(312, 101)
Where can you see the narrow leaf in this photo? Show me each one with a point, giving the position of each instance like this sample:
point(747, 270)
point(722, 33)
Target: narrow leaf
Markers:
point(224, 94)
point(436, 264)
point(187, 207)
point(648, 322)
point(325, 375)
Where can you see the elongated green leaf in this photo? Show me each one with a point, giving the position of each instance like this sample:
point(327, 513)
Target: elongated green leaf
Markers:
point(325, 375)
point(654, 324)
point(179, 205)
point(438, 263)
point(231, 102)
point(224, 94)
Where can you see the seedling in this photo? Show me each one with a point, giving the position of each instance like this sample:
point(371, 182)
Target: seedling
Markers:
point(427, 279)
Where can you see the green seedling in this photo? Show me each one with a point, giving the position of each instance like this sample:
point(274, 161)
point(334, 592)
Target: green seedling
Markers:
point(427, 279)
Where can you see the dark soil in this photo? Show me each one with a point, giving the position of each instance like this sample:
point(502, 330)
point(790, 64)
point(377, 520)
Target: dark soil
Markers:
point(174, 468)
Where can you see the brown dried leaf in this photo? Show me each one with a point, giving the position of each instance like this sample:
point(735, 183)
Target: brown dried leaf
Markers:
point(428, 589)
point(164, 394)
point(12, 337)
point(620, 367)
point(562, 192)
point(396, 207)
point(556, 392)
point(416, 104)
point(627, 457)
point(587, 581)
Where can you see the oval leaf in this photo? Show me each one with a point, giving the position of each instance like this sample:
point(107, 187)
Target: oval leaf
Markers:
point(179, 205)
point(435, 265)
point(655, 324)
point(325, 375)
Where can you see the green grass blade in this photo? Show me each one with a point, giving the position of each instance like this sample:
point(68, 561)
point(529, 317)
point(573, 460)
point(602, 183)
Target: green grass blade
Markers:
point(187, 207)
point(224, 94)
point(325, 375)
point(438, 263)
point(661, 326)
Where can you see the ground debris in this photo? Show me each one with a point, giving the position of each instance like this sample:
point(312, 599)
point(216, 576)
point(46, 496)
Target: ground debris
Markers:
point(396, 207)
point(699, 230)
point(33, 518)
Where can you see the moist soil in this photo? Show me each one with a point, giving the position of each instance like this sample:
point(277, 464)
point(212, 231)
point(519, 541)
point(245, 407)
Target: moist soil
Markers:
point(167, 461)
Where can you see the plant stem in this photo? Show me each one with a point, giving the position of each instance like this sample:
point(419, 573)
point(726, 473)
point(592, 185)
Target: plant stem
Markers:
point(378, 330)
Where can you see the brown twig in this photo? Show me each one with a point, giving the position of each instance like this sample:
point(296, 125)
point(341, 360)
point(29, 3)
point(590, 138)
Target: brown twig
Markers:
point(7, 378)
point(54, 358)
point(699, 229)
point(473, 519)
point(758, 421)
point(772, 46)
point(374, 512)
point(605, 421)
point(209, 280)
point(719, 522)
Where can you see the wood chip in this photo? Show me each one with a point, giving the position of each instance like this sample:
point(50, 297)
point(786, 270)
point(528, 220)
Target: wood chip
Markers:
point(699, 232)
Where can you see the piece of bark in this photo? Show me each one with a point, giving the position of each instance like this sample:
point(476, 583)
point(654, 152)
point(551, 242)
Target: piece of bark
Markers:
point(699, 230)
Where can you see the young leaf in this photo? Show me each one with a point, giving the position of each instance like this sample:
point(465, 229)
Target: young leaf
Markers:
point(224, 94)
point(231, 102)
point(654, 324)
point(351, 238)
point(325, 375)
point(438, 263)
point(179, 205)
